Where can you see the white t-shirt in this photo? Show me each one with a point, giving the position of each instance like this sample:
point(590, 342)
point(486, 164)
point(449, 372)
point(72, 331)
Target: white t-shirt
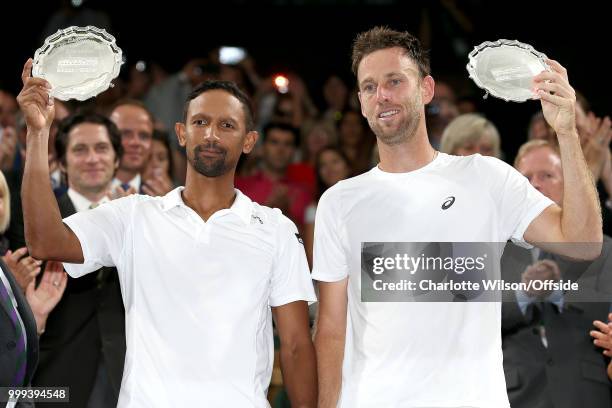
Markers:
point(197, 295)
point(409, 354)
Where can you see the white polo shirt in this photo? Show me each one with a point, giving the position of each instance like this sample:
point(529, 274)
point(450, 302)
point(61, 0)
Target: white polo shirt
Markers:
point(415, 354)
point(197, 295)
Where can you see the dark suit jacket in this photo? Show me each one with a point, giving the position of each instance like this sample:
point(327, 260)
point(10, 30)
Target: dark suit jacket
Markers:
point(8, 336)
point(87, 324)
point(571, 371)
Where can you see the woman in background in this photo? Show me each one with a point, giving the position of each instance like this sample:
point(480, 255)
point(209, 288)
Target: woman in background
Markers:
point(469, 134)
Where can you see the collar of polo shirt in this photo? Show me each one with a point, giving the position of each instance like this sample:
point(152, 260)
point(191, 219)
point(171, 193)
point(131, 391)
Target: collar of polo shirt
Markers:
point(242, 206)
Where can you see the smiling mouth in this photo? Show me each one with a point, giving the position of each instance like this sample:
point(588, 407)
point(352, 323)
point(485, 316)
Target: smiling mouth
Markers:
point(388, 114)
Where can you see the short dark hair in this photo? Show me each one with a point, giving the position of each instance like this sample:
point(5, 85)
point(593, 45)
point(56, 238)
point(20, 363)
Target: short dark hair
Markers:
point(228, 87)
point(381, 37)
point(285, 128)
point(69, 123)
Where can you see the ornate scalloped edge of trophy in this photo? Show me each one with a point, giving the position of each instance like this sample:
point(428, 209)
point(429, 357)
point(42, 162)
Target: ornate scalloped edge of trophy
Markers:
point(94, 82)
point(473, 63)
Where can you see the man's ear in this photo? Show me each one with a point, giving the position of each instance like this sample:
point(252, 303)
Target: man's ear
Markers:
point(428, 86)
point(250, 141)
point(179, 129)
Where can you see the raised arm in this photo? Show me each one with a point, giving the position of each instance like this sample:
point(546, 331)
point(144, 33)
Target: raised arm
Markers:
point(579, 221)
point(46, 235)
point(330, 334)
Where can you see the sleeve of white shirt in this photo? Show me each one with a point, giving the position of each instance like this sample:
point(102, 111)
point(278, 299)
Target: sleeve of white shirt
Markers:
point(330, 262)
point(519, 203)
point(291, 279)
point(101, 232)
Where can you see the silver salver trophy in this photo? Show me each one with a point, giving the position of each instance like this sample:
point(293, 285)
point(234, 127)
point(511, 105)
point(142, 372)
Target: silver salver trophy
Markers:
point(505, 69)
point(78, 62)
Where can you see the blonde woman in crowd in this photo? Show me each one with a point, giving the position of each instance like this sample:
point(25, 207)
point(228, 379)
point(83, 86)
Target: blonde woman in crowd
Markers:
point(471, 133)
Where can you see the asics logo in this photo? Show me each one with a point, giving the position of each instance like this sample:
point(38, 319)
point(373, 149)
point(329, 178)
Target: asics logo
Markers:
point(448, 201)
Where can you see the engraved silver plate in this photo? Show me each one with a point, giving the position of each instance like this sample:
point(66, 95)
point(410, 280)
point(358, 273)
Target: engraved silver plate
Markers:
point(79, 62)
point(505, 69)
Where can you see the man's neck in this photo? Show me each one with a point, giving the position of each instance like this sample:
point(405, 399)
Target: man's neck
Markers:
point(95, 196)
point(125, 176)
point(207, 195)
point(405, 157)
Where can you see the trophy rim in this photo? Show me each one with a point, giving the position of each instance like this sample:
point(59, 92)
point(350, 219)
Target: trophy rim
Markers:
point(50, 44)
point(473, 58)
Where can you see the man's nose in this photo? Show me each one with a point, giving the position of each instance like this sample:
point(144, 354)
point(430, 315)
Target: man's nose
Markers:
point(209, 133)
point(382, 94)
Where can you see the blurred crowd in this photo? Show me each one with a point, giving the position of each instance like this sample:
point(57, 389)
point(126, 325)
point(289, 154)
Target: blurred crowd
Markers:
point(123, 142)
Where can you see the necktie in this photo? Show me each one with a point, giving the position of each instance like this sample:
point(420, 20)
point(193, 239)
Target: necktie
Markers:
point(125, 186)
point(5, 299)
point(93, 205)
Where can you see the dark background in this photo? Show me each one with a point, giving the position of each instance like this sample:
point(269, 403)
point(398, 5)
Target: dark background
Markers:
point(314, 39)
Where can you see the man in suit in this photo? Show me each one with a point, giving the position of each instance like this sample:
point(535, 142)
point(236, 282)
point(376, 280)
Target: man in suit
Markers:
point(88, 323)
point(549, 358)
point(22, 317)
point(17, 328)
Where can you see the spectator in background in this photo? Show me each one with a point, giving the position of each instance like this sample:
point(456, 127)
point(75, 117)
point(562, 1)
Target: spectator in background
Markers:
point(23, 308)
point(549, 360)
point(331, 166)
point(89, 320)
point(440, 112)
point(158, 173)
point(538, 129)
point(141, 77)
point(335, 93)
point(8, 109)
point(470, 133)
point(290, 104)
point(24, 267)
point(165, 100)
point(8, 134)
point(23, 318)
point(356, 141)
point(316, 135)
point(270, 186)
point(135, 123)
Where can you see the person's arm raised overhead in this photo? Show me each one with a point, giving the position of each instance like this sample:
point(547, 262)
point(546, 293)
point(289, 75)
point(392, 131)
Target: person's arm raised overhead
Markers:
point(47, 236)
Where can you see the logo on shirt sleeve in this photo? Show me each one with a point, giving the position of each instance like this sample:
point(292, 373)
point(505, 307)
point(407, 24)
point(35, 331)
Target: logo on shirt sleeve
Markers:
point(299, 238)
